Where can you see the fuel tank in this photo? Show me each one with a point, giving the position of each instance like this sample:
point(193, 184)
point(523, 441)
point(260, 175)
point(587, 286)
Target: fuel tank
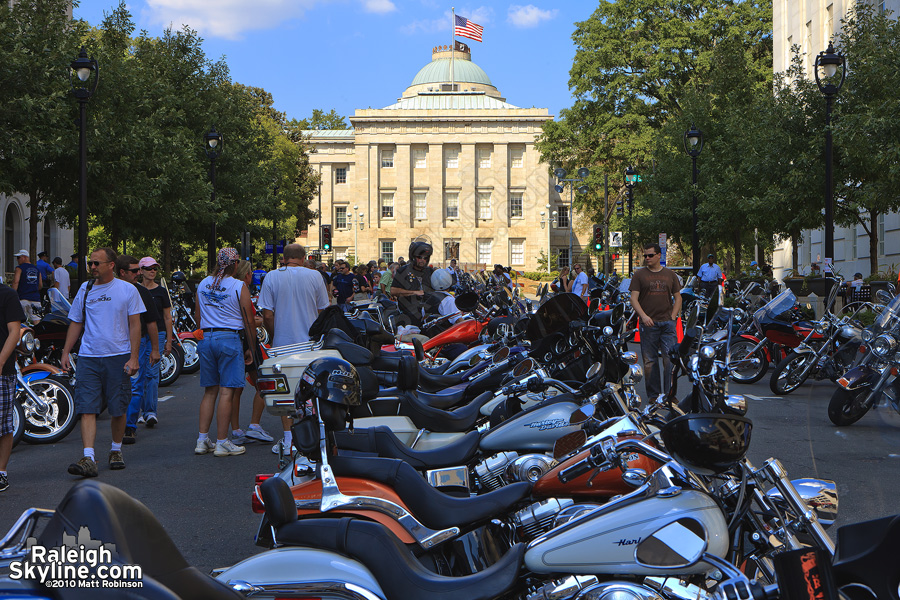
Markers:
point(535, 429)
point(605, 540)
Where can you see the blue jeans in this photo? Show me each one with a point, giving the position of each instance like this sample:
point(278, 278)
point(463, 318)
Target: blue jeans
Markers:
point(661, 334)
point(145, 387)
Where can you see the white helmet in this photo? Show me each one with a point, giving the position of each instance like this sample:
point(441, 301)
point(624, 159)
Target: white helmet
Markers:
point(441, 280)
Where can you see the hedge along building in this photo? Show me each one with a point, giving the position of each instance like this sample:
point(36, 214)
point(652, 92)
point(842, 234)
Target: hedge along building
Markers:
point(452, 161)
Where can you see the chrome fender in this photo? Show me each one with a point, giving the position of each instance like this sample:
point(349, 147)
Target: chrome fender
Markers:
point(302, 571)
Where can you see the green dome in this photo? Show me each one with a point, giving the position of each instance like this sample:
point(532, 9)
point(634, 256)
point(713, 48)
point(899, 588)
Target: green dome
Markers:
point(464, 71)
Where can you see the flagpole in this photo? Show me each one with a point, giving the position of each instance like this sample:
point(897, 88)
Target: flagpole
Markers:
point(452, 42)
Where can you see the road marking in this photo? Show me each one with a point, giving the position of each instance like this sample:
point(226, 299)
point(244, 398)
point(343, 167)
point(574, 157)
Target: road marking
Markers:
point(164, 398)
point(754, 397)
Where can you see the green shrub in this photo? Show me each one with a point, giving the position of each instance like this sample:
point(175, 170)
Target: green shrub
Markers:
point(541, 275)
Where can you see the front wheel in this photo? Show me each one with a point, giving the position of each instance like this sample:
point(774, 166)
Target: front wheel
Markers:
point(170, 366)
point(791, 373)
point(18, 423)
point(751, 366)
point(848, 406)
point(191, 356)
point(57, 420)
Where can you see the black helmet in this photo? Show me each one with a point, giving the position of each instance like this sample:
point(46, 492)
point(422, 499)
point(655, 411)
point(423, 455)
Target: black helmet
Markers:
point(418, 249)
point(334, 384)
point(179, 277)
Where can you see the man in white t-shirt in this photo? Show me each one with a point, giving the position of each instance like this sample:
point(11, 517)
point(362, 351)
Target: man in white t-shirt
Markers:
point(108, 311)
point(60, 278)
point(290, 300)
point(580, 285)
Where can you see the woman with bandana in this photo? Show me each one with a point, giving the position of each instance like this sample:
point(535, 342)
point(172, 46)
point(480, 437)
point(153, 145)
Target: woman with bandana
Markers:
point(222, 312)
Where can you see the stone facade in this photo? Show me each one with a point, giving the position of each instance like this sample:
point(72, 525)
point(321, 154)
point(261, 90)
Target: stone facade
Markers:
point(450, 162)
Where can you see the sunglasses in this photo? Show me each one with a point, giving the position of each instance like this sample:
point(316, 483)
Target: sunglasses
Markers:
point(135, 270)
point(650, 255)
point(97, 263)
point(153, 268)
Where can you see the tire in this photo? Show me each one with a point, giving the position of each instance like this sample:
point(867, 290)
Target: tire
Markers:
point(748, 373)
point(191, 356)
point(170, 367)
point(846, 406)
point(59, 421)
point(18, 423)
point(786, 378)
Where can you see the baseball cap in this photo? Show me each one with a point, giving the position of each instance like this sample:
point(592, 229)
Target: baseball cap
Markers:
point(752, 263)
point(709, 256)
point(43, 253)
point(21, 253)
point(147, 261)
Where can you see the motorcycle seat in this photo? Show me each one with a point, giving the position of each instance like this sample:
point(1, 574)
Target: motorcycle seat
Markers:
point(399, 573)
point(353, 353)
point(431, 506)
point(424, 379)
point(436, 419)
point(381, 441)
point(112, 516)
point(444, 399)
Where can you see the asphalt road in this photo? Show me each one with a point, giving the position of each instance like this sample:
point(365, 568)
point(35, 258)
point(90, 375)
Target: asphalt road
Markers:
point(204, 501)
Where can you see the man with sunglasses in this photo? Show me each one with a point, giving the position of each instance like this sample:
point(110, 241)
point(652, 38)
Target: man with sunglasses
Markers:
point(412, 281)
point(108, 311)
point(656, 298)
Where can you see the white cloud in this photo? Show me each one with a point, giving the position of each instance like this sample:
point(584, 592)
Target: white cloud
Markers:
point(482, 15)
point(228, 18)
point(379, 6)
point(529, 16)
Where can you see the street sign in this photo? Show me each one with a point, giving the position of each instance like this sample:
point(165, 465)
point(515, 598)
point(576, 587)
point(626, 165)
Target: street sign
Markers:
point(615, 239)
point(662, 247)
point(279, 246)
point(269, 247)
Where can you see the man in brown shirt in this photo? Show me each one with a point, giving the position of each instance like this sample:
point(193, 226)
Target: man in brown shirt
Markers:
point(656, 297)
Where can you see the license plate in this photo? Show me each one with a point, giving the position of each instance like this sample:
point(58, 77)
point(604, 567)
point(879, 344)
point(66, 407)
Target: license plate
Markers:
point(844, 383)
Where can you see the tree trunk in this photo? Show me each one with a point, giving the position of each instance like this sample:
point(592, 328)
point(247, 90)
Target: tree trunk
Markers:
point(33, 218)
point(795, 250)
point(873, 242)
point(736, 239)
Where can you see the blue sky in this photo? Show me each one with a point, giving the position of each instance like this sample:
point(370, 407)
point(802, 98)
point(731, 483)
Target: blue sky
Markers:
point(349, 54)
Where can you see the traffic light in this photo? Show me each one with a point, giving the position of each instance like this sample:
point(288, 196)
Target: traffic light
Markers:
point(620, 207)
point(614, 256)
point(325, 237)
point(598, 237)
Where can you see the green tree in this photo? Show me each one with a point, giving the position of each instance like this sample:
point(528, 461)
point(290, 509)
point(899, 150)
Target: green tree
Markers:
point(319, 120)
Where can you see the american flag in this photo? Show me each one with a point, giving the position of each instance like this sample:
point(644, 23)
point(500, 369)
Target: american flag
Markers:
point(466, 28)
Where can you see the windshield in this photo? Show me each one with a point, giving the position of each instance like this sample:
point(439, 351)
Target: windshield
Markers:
point(778, 305)
point(58, 302)
point(889, 317)
point(554, 315)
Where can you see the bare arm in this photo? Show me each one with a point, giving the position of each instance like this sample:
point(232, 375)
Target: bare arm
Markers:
point(647, 321)
point(676, 309)
point(15, 330)
point(72, 335)
point(167, 317)
point(15, 284)
point(269, 321)
point(134, 335)
point(249, 329)
point(197, 311)
point(153, 332)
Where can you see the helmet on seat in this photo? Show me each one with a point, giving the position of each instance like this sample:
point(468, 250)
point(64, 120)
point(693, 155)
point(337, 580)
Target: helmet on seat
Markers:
point(441, 280)
point(328, 387)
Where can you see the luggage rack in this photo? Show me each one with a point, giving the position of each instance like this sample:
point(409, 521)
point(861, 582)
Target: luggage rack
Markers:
point(294, 348)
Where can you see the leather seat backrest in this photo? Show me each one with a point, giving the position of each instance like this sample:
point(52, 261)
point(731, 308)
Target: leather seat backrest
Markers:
point(353, 353)
point(408, 373)
point(601, 318)
point(279, 501)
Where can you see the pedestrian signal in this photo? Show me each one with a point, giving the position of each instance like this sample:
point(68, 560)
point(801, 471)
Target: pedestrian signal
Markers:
point(598, 237)
point(325, 237)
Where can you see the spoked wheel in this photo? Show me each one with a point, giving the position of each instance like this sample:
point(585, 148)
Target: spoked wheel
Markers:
point(191, 356)
point(18, 423)
point(848, 406)
point(749, 366)
point(58, 418)
point(790, 373)
point(170, 366)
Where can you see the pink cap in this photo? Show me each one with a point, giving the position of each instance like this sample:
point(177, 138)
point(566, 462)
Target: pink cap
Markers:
point(148, 261)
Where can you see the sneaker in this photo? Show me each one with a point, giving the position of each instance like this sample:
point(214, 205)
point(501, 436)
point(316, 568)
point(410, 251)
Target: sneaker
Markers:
point(151, 420)
point(204, 446)
point(116, 461)
point(227, 448)
point(130, 436)
point(4, 482)
point(85, 467)
point(259, 435)
point(277, 448)
point(141, 419)
point(240, 439)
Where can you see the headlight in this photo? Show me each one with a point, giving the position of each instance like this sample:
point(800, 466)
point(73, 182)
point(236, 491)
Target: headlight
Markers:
point(607, 331)
point(27, 342)
point(867, 336)
point(883, 345)
point(630, 358)
point(707, 352)
point(636, 373)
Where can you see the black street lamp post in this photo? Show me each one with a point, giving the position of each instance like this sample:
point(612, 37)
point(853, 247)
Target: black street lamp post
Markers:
point(83, 88)
point(829, 61)
point(560, 174)
point(693, 146)
point(630, 180)
point(214, 146)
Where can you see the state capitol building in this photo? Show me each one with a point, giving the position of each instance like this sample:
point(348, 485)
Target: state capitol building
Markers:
point(451, 162)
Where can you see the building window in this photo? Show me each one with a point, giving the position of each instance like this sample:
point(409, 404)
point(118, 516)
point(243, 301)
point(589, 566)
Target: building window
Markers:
point(420, 208)
point(387, 158)
point(829, 21)
point(387, 251)
point(340, 217)
point(516, 202)
point(452, 158)
point(881, 235)
point(387, 205)
point(517, 157)
point(517, 252)
point(484, 158)
point(484, 205)
point(562, 217)
point(451, 250)
point(484, 251)
point(851, 236)
point(808, 42)
point(340, 175)
point(419, 156)
point(451, 202)
point(881, 7)
point(341, 253)
point(563, 257)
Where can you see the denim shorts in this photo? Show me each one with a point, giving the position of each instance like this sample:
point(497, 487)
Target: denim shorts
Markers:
point(98, 377)
point(221, 359)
